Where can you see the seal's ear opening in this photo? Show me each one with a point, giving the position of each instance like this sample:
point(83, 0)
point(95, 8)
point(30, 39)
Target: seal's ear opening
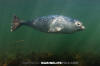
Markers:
point(15, 24)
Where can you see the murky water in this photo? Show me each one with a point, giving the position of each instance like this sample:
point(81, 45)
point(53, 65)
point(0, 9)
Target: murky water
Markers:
point(26, 39)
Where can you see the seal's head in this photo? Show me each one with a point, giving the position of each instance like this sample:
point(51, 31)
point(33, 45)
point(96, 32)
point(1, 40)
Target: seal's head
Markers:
point(78, 25)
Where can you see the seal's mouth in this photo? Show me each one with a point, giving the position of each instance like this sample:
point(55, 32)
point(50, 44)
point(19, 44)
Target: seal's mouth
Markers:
point(81, 28)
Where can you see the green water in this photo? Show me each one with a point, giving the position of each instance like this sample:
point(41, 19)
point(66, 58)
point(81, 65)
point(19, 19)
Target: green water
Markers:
point(26, 40)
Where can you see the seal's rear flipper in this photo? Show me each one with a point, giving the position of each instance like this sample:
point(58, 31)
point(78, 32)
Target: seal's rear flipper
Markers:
point(15, 24)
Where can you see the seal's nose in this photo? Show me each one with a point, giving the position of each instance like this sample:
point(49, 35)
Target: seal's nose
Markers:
point(83, 27)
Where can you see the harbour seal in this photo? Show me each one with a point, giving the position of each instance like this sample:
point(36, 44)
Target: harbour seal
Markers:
point(50, 24)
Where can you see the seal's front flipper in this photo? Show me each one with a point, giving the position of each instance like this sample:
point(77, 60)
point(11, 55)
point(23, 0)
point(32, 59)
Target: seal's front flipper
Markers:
point(15, 24)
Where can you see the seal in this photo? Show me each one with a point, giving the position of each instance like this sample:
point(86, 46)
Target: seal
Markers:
point(50, 24)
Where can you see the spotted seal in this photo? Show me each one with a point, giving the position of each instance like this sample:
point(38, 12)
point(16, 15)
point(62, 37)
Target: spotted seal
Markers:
point(50, 24)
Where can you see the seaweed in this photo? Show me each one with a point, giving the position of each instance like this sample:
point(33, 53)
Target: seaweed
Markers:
point(34, 59)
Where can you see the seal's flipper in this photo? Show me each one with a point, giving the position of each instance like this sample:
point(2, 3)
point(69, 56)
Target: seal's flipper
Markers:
point(15, 24)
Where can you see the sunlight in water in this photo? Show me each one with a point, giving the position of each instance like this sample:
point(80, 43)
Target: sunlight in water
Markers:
point(26, 39)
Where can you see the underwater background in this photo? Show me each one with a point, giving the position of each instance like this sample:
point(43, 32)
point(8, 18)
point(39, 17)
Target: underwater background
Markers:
point(26, 40)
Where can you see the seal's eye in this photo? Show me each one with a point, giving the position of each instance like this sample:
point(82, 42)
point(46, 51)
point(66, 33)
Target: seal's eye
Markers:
point(78, 23)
